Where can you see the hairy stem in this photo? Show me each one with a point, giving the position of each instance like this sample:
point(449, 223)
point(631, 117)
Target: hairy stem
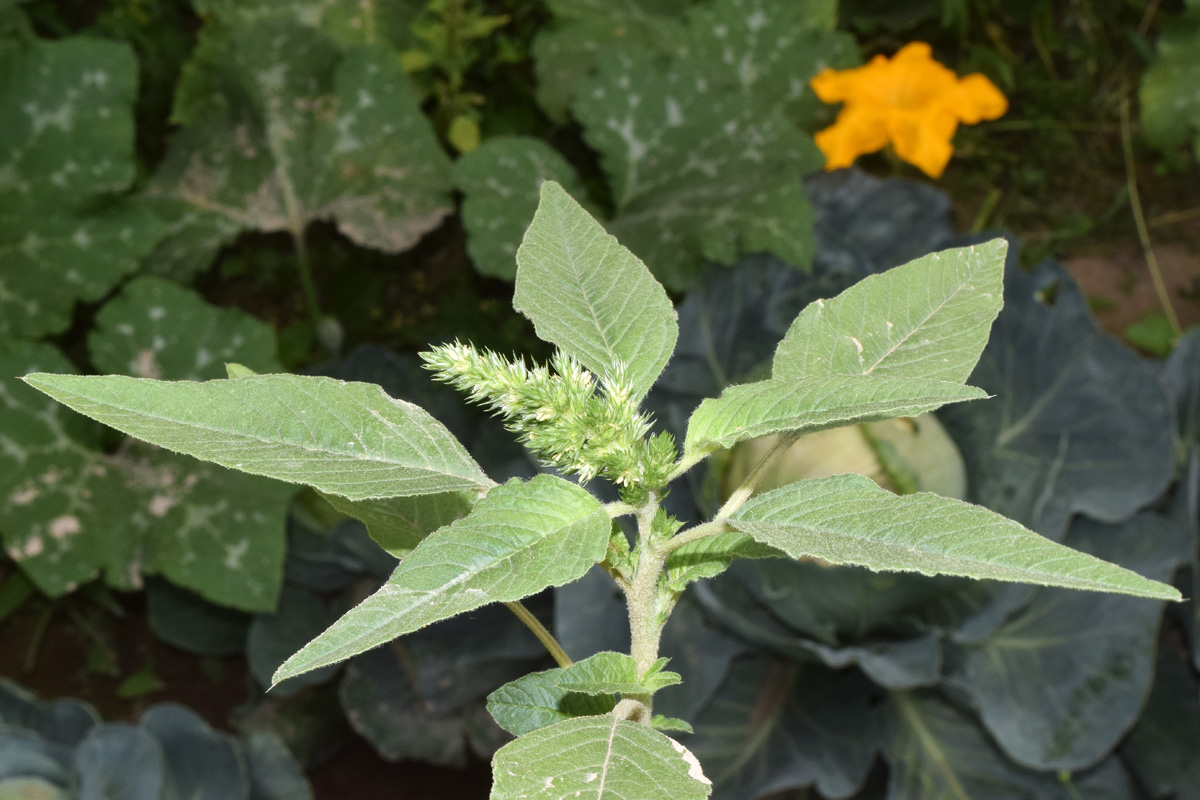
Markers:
point(646, 601)
point(539, 630)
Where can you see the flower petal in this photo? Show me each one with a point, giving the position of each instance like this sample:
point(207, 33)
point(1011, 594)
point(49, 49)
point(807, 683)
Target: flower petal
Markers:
point(923, 139)
point(841, 85)
point(977, 98)
point(858, 130)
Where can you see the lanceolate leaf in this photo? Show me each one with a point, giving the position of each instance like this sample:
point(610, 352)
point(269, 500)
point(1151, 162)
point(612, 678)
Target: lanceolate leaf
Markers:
point(813, 404)
point(520, 539)
point(398, 524)
point(927, 319)
point(589, 295)
point(848, 519)
point(597, 758)
point(349, 439)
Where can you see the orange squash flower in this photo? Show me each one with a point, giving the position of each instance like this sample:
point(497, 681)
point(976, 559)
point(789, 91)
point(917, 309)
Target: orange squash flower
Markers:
point(910, 100)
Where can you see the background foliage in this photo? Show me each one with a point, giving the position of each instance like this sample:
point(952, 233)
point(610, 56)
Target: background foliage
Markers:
point(276, 184)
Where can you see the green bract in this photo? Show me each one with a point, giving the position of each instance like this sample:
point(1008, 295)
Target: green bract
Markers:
point(901, 343)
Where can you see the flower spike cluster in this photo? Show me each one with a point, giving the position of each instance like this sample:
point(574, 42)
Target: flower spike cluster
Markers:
point(563, 414)
point(909, 100)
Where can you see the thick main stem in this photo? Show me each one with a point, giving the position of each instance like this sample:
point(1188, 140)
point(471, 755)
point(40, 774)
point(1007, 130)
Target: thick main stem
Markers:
point(645, 601)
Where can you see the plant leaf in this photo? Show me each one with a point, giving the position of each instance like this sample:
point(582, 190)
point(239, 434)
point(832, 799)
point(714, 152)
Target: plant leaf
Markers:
point(1168, 103)
point(349, 439)
point(67, 139)
point(281, 129)
point(775, 406)
point(501, 181)
point(697, 172)
point(158, 329)
point(346, 23)
point(848, 519)
point(520, 539)
point(398, 524)
point(596, 758)
point(927, 319)
point(589, 295)
point(612, 673)
point(537, 700)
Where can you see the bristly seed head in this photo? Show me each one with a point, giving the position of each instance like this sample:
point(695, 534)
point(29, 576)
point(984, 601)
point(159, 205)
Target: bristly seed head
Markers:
point(563, 415)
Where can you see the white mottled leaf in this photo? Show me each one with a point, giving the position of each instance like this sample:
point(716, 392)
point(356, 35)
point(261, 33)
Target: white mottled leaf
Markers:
point(589, 295)
point(501, 183)
point(812, 404)
point(849, 519)
point(597, 758)
point(519, 539)
point(349, 439)
point(927, 319)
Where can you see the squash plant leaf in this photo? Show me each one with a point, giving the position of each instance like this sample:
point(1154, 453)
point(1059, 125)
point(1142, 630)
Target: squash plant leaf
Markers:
point(928, 319)
point(1086, 660)
point(69, 512)
point(812, 404)
point(67, 140)
point(1082, 424)
point(769, 50)
point(565, 51)
point(849, 519)
point(501, 181)
point(366, 22)
point(774, 726)
point(696, 172)
point(589, 295)
point(521, 538)
point(281, 129)
point(539, 699)
point(1169, 106)
point(158, 329)
point(596, 757)
point(349, 439)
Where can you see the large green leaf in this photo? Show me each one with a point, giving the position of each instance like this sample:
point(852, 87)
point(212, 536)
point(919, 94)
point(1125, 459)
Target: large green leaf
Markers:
point(849, 519)
point(349, 439)
point(566, 50)
point(360, 22)
point(501, 181)
point(596, 758)
point(589, 295)
point(158, 329)
point(281, 129)
point(1163, 750)
point(1080, 425)
point(1168, 102)
point(812, 404)
point(520, 539)
point(66, 140)
point(936, 751)
point(927, 319)
point(697, 173)
point(1059, 682)
point(69, 512)
point(770, 49)
point(775, 726)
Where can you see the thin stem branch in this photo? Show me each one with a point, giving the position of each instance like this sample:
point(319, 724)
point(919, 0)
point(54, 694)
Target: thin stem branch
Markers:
point(539, 630)
point(619, 509)
point(1139, 220)
point(307, 284)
